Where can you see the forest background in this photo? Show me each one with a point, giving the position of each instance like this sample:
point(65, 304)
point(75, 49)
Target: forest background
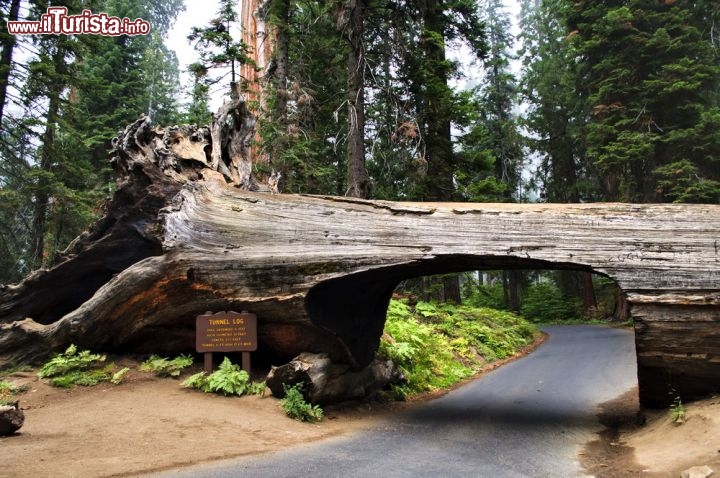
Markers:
point(589, 101)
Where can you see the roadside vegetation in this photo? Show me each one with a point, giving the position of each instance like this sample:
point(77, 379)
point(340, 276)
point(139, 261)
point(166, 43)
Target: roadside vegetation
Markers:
point(228, 379)
point(546, 297)
point(78, 367)
point(295, 406)
point(438, 345)
point(164, 367)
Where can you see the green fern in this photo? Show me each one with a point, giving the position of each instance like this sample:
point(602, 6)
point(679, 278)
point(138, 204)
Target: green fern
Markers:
point(297, 408)
point(228, 379)
point(74, 367)
point(196, 381)
point(70, 360)
point(163, 367)
point(436, 345)
point(677, 411)
point(119, 376)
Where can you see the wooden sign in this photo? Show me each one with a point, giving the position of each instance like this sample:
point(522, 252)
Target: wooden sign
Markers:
point(226, 332)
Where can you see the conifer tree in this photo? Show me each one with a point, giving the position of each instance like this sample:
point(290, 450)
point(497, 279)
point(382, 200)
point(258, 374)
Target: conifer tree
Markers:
point(651, 78)
point(218, 46)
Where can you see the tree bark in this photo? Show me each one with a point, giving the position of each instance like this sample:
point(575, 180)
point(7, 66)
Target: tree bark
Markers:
point(8, 45)
point(588, 296)
point(281, 61)
point(358, 182)
point(42, 194)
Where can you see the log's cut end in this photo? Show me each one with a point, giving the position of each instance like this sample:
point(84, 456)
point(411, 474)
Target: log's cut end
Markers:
point(678, 351)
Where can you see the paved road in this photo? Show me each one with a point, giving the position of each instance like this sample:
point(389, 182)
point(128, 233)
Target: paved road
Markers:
point(526, 419)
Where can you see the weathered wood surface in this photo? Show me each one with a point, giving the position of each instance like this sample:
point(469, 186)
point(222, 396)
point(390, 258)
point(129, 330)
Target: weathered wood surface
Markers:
point(319, 271)
point(325, 382)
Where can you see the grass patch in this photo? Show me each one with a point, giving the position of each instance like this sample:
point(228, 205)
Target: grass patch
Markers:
point(437, 345)
point(8, 389)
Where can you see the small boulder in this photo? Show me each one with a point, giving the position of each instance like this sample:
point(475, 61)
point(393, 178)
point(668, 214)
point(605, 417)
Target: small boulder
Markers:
point(697, 472)
point(11, 418)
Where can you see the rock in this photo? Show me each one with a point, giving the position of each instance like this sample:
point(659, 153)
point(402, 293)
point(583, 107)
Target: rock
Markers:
point(697, 472)
point(11, 418)
point(328, 383)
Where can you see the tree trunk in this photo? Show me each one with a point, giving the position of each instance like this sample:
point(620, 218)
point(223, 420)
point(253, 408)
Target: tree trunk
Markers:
point(8, 45)
point(513, 280)
point(622, 307)
point(451, 288)
point(588, 296)
point(358, 183)
point(42, 194)
point(439, 182)
point(281, 61)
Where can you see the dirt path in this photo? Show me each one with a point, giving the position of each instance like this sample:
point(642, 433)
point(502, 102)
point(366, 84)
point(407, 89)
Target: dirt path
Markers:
point(147, 424)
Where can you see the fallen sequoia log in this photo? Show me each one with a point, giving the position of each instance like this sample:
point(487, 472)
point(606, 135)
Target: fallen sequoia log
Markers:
point(182, 237)
point(326, 382)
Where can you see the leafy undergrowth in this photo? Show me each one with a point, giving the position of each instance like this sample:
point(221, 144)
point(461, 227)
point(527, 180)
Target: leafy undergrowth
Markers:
point(228, 379)
point(163, 367)
point(437, 345)
point(77, 367)
point(295, 406)
point(9, 390)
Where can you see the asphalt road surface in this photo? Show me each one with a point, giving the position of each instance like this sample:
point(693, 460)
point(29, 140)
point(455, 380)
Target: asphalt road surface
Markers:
point(526, 419)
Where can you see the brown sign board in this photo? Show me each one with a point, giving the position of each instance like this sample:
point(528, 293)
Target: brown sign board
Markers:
point(226, 332)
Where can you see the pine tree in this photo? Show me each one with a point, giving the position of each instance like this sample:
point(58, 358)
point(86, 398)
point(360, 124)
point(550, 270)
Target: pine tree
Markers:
point(218, 48)
point(651, 78)
point(7, 42)
point(556, 112)
point(358, 182)
point(160, 74)
point(495, 131)
point(75, 94)
point(303, 126)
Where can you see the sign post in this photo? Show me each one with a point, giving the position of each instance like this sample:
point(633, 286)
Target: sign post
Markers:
point(226, 332)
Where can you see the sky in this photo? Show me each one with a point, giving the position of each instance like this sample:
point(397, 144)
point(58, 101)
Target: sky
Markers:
point(196, 14)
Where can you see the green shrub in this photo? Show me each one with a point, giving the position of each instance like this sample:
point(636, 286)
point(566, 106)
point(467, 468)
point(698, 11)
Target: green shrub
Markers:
point(163, 367)
point(490, 296)
point(297, 408)
point(119, 376)
point(228, 379)
point(544, 303)
point(677, 411)
point(7, 389)
point(74, 367)
point(69, 361)
point(437, 345)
